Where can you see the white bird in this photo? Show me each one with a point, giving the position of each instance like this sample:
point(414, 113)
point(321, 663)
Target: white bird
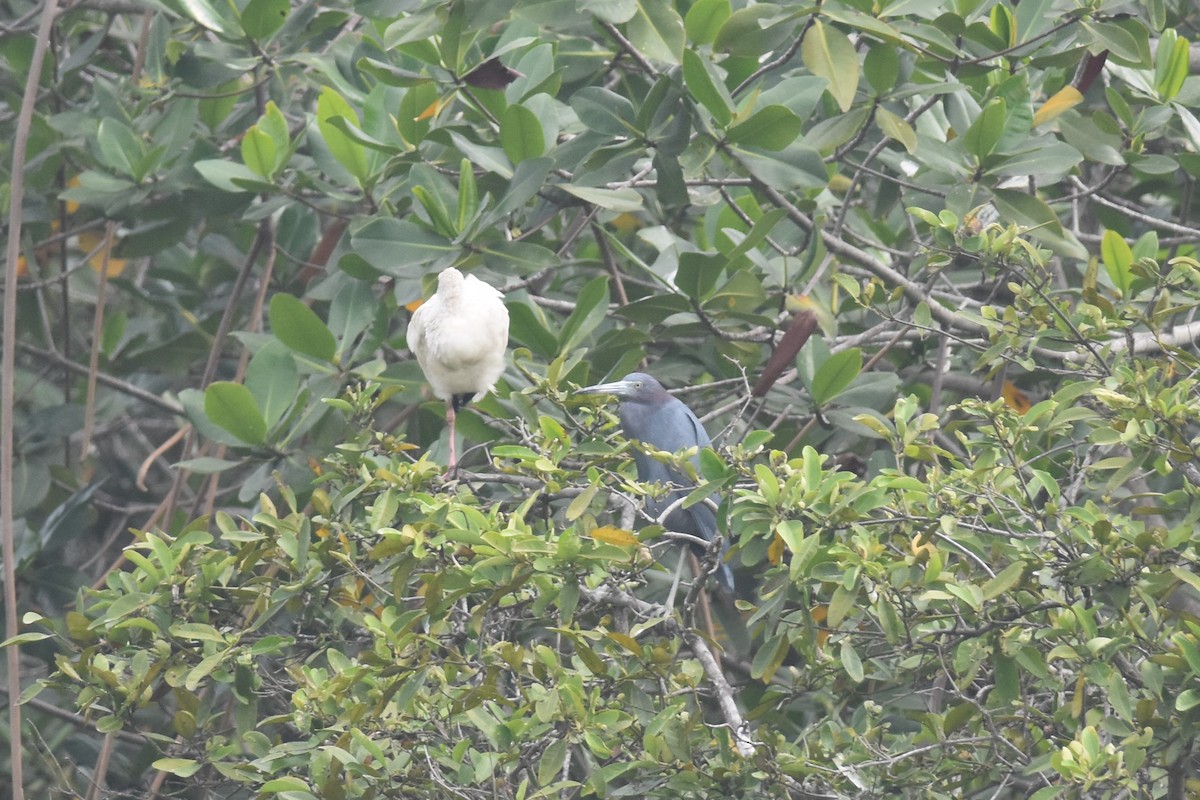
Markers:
point(459, 337)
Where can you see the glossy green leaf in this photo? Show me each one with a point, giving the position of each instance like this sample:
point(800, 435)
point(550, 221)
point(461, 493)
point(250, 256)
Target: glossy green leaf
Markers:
point(704, 20)
point(770, 128)
point(232, 407)
point(617, 12)
point(210, 16)
point(262, 18)
point(399, 247)
point(985, 132)
point(1118, 260)
point(348, 153)
point(851, 662)
point(769, 657)
point(591, 307)
point(827, 52)
point(618, 200)
point(1005, 580)
point(1171, 64)
point(274, 381)
point(1040, 219)
point(604, 111)
point(258, 151)
point(298, 327)
point(468, 195)
point(753, 30)
point(521, 134)
point(525, 327)
point(229, 176)
point(704, 85)
point(656, 30)
point(698, 273)
point(896, 127)
point(120, 148)
point(881, 67)
point(411, 121)
point(832, 377)
point(181, 767)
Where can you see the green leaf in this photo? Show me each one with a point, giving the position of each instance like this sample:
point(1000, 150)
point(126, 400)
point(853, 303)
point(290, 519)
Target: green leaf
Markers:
point(1171, 64)
point(743, 32)
point(1004, 580)
point(896, 127)
point(207, 15)
point(832, 377)
point(828, 53)
point(882, 67)
point(349, 153)
point(258, 151)
point(229, 176)
point(261, 18)
point(706, 88)
point(468, 195)
point(618, 12)
point(401, 249)
point(1118, 260)
point(656, 30)
point(591, 307)
point(22, 638)
point(840, 605)
point(120, 148)
point(182, 767)
point(604, 111)
point(698, 273)
point(274, 380)
point(769, 657)
point(985, 132)
point(232, 407)
point(770, 128)
point(274, 124)
point(1008, 679)
point(1040, 219)
point(521, 134)
point(851, 662)
point(298, 327)
point(704, 20)
point(616, 200)
point(1187, 700)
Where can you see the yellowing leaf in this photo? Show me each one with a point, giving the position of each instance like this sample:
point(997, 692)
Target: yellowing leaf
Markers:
point(626, 223)
point(1063, 100)
point(92, 243)
point(897, 127)
point(72, 205)
point(434, 108)
point(775, 550)
point(626, 641)
point(828, 53)
point(613, 535)
point(1014, 398)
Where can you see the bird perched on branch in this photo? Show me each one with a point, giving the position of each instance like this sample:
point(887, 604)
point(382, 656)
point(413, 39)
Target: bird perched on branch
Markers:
point(652, 416)
point(459, 337)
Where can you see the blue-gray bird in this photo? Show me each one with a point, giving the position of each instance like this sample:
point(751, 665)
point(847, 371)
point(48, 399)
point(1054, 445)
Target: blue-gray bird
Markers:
point(652, 416)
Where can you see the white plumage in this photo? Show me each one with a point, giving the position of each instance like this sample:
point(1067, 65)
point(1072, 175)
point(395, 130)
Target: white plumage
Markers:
point(459, 337)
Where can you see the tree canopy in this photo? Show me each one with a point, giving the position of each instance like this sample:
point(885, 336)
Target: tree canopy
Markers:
point(926, 269)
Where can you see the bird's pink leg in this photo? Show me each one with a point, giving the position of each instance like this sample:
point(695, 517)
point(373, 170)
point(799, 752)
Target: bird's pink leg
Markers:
point(450, 424)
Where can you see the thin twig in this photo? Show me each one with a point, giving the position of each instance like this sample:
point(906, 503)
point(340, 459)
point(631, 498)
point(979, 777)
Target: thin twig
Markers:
point(16, 204)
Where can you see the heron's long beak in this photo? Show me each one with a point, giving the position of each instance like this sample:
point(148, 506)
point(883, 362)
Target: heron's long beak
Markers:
point(618, 388)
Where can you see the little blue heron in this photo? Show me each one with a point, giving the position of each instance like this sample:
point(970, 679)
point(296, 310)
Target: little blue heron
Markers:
point(652, 416)
point(459, 337)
